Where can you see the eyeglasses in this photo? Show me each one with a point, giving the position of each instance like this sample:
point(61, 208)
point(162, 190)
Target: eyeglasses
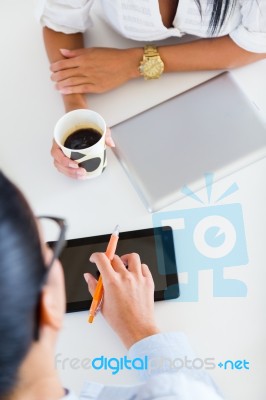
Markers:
point(53, 229)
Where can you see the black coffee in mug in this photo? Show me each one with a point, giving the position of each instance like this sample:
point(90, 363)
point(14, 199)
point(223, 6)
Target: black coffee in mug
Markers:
point(82, 138)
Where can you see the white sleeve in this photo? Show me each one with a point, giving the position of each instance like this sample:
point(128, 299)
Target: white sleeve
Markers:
point(168, 373)
point(165, 377)
point(251, 33)
point(181, 386)
point(67, 16)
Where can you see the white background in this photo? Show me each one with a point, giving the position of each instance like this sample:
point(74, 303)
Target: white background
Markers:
point(231, 328)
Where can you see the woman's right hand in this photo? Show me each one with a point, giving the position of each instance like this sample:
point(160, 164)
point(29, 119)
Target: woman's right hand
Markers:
point(128, 302)
point(70, 167)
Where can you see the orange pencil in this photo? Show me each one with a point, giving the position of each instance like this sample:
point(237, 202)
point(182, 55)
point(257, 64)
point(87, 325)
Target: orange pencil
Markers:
point(98, 294)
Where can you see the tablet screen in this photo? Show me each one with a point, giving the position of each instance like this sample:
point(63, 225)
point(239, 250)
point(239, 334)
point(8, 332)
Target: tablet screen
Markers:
point(155, 247)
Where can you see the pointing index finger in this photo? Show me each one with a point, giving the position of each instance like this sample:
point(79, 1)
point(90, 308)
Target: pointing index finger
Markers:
point(104, 265)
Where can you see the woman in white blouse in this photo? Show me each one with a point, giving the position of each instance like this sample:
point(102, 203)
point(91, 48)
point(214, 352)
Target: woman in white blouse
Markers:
point(231, 33)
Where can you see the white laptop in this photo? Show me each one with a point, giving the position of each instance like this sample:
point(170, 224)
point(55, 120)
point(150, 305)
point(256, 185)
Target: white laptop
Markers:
point(212, 128)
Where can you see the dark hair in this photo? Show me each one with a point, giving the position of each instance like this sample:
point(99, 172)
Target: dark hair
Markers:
point(220, 10)
point(22, 272)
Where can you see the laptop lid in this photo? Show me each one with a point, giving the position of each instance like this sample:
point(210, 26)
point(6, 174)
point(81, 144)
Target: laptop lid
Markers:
point(211, 128)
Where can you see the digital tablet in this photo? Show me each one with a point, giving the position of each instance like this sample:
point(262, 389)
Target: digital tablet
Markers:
point(192, 134)
point(155, 247)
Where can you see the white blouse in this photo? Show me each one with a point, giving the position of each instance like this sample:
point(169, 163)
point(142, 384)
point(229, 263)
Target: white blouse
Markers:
point(141, 19)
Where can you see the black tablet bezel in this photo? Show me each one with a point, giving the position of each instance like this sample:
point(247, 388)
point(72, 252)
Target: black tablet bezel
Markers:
point(168, 249)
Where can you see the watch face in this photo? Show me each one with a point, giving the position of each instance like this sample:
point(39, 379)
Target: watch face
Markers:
point(153, 68)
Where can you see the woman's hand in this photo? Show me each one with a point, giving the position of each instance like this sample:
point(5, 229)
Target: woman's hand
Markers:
point(128, 303)
point(95, 70)
point(70, 167)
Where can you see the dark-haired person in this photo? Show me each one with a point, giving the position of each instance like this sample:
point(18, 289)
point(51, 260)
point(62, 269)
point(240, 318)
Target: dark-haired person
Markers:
point(232, 33)
point(32, 299)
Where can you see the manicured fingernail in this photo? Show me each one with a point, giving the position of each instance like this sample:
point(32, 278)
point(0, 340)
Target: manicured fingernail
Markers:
point(81, 172)
point(63, 50)
point(65, 91)
point(86, 277)
point(111, 142)
point(73, 165)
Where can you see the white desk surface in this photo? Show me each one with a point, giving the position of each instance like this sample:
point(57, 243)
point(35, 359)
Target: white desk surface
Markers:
point(224, 328)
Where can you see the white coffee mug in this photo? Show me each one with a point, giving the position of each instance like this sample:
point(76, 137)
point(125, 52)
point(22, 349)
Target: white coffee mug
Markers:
point(93, 158)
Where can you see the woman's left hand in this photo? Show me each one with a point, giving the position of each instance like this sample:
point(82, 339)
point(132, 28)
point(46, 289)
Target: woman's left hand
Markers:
point(95, 70)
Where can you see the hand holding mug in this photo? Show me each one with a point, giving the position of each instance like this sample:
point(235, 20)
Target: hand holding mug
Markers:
point(82, 160)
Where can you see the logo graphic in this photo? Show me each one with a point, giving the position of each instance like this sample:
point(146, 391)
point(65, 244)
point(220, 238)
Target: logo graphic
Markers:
point(116, 365)
point(210, 237)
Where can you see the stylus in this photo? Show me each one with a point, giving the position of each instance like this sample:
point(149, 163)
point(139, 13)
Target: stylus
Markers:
point(98, 294)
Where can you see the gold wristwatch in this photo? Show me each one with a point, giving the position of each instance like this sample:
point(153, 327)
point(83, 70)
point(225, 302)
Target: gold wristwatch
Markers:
point(151, 66)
